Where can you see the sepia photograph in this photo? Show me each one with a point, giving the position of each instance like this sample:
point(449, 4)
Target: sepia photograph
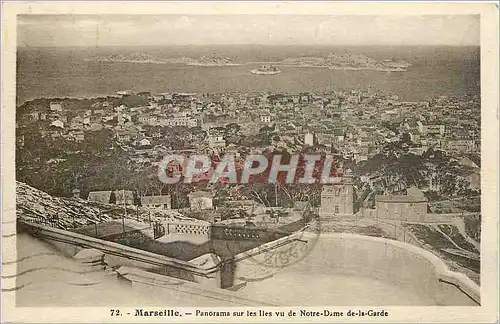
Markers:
point(215, 166)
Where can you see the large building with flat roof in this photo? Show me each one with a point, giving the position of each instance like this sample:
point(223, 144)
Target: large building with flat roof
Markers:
point(411, 207)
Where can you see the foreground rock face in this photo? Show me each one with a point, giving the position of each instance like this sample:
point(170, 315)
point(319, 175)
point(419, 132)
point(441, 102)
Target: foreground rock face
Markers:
point(36, 206)
point(33, 205)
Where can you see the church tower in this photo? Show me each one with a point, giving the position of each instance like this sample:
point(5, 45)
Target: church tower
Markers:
point(337, 199)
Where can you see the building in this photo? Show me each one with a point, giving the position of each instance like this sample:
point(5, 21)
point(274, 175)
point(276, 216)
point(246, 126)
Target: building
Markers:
point(148, 119)
point(265, 118)
point(309, 139)
point(55, 106)
point(324, 139)
point(461, 145)
point(78, 136)
point(437, 129)
point(124, 93)
point(181, 121)
point(124, 197)
point(305, 97)
point(159, 202)
point(57, 123)
point(200, 200)
point(339, 134)
point(100, 196)
point(434, 183)
point(337, 199)
point(34, 116)
point(216, 141)
point(144, 142)
point(20, 140)
point(123, 136)
point(411, 207)
point(417, 150)
point(76, 122)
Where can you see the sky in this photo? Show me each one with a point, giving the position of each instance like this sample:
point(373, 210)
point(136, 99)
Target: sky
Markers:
point(156, 30)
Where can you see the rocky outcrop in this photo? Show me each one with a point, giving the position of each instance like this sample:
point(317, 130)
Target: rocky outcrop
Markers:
point(35, 206)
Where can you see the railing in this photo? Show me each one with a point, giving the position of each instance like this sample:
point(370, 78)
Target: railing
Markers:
point(459, 287)
point(187, 228)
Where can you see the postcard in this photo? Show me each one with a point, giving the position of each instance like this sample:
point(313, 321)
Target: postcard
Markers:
point(249, 162)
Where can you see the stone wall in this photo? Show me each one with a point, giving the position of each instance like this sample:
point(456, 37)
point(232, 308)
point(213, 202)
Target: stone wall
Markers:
point(387, 260)
point(116, 255)
point(340, 253)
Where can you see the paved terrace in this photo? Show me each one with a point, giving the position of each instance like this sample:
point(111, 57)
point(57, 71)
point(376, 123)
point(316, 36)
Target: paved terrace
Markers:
point(42, 276)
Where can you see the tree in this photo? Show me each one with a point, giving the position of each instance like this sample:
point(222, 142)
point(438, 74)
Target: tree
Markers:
point(406, 138)
point(112, 198)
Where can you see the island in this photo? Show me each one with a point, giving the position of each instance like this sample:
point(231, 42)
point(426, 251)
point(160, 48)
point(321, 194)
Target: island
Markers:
point(203, 60)
point(266, 70)
point(334, 61)
point(347, 61)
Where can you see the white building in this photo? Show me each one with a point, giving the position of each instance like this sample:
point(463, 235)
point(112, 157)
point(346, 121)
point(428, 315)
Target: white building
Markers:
point(124, 197)
point(144, 142)
point(124, 93)
point(157, 202)
point(181, 121)
point(201, 200)
point(431, 129)
point(34, 116)
point(56, 106)
point(265, 118)
point(57, 123)
point(148, 119)
point(309, 139)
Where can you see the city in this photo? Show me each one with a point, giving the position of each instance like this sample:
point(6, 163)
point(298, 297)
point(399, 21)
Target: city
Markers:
point(401, 165)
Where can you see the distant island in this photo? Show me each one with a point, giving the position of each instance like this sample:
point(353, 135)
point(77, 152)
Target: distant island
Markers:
point(266, 70)
point(334, 61)
point(203, 60)
point(347, 61)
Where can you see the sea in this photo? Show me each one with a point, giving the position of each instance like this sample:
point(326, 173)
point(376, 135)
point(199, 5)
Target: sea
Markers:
point(61, 72)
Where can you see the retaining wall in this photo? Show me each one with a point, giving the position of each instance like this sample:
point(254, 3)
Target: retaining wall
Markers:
point(384, 259)
point(117, 255)
point(387, 260)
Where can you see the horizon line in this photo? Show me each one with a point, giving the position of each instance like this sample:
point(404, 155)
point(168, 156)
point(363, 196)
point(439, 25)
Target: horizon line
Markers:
point(253, 44)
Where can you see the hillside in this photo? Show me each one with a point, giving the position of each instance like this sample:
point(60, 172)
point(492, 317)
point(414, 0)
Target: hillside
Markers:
point(395, 168)
point(453, 245)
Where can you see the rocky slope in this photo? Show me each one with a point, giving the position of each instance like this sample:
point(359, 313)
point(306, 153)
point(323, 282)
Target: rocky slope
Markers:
point(33, 205)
